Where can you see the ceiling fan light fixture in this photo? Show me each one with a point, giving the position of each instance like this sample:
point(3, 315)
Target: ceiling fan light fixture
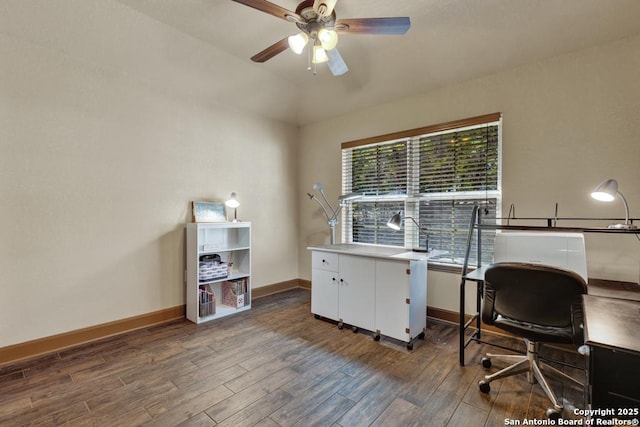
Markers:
point(319, 55)
point(328, 38)
point(297, 42)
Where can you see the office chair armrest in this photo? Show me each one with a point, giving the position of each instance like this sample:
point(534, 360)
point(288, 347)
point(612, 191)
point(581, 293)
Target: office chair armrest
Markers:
point(577, 324)
point(488, 314)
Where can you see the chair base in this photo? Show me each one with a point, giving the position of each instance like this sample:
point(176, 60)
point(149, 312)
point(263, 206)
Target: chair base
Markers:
point(534, 368)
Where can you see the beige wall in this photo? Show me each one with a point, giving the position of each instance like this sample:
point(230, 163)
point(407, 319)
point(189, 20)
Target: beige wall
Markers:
point(99, 164)
point(569, 122)
point(112, 123)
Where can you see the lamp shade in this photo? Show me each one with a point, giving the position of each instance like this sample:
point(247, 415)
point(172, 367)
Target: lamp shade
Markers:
point(395, 222)
point(349, 197)
point(328, 38)
point(232, 201)
point(606, 191)
point(297, 42)
point(319, 55)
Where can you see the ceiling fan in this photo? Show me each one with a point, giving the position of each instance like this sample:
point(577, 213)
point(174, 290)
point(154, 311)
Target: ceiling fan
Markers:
point(319, 28)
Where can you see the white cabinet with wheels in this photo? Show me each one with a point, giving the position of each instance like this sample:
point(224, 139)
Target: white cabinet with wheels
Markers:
point(380, 289)
point(342, 288)
point(218, 274)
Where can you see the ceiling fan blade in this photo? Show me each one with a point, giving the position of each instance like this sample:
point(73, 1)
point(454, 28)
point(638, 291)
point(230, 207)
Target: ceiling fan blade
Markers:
point(336, 64)
point(324, 7)
point(271, 51)
point(272, 9)
point(391, 26)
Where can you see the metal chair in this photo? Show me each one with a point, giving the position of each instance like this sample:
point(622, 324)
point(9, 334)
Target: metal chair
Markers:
point(539, 303)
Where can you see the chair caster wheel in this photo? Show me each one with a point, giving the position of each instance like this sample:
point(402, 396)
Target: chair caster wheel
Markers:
point(553, 414)
point(484, 386)
point(354, 329)
point(486, 362)
point(376, 338)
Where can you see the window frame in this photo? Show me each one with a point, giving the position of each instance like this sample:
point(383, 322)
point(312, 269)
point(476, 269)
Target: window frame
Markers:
point(413, 198)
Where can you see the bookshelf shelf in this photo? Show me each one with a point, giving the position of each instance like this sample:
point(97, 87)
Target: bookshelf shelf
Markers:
point(224, 279)
point(218, 274)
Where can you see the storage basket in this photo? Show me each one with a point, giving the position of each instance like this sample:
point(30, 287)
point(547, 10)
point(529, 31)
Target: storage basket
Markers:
point(211, 268)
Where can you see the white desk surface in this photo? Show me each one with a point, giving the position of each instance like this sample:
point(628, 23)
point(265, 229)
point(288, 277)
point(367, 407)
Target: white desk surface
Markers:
point(377, 251)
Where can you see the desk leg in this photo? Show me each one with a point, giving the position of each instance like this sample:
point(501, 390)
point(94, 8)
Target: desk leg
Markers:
point(474, 322)
point(479, 291)
point(463, 283)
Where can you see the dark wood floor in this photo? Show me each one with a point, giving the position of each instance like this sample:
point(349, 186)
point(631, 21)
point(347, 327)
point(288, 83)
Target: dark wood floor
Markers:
point(272, 366)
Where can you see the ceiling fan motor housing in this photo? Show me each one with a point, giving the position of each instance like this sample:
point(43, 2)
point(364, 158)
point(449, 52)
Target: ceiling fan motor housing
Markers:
point(313, 22)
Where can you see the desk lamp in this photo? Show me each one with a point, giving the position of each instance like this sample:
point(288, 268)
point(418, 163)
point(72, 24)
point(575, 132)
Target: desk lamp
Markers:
point(606, 191)
point(233, 202)
point(395, 223)
point(329, 211)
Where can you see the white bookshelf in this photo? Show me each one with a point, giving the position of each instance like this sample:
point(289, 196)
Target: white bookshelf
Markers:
point(231, 241)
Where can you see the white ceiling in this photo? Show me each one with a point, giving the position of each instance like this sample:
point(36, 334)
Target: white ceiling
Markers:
point(449, 41)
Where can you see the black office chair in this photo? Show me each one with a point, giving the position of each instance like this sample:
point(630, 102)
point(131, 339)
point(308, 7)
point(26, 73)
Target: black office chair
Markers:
point(539, 303)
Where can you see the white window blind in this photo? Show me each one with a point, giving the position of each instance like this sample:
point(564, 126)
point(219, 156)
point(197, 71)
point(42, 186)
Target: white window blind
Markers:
point(435, 175)
point(459, 161)
point(379, 171)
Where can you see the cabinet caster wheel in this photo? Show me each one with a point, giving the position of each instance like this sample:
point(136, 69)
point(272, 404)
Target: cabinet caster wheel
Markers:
point(340, 325)
point(317, 316)
point(486, 362)
point(376, 337)
point(553, 414)
point(355, 329)
point(484, 386)
point(410, 346)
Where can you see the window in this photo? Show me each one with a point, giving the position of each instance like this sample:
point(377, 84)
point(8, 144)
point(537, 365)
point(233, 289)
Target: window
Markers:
point(435, 175)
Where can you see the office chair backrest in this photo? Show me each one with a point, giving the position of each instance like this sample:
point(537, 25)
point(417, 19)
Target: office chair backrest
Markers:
point(532, 293)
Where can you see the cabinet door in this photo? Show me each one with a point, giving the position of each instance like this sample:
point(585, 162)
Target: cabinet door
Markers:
point(324, 293)
point(392, 295)
point(418, 297)
point(357, 291)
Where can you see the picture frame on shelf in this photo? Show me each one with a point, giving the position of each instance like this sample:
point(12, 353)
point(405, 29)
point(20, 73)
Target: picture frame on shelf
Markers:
point(209, 212)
